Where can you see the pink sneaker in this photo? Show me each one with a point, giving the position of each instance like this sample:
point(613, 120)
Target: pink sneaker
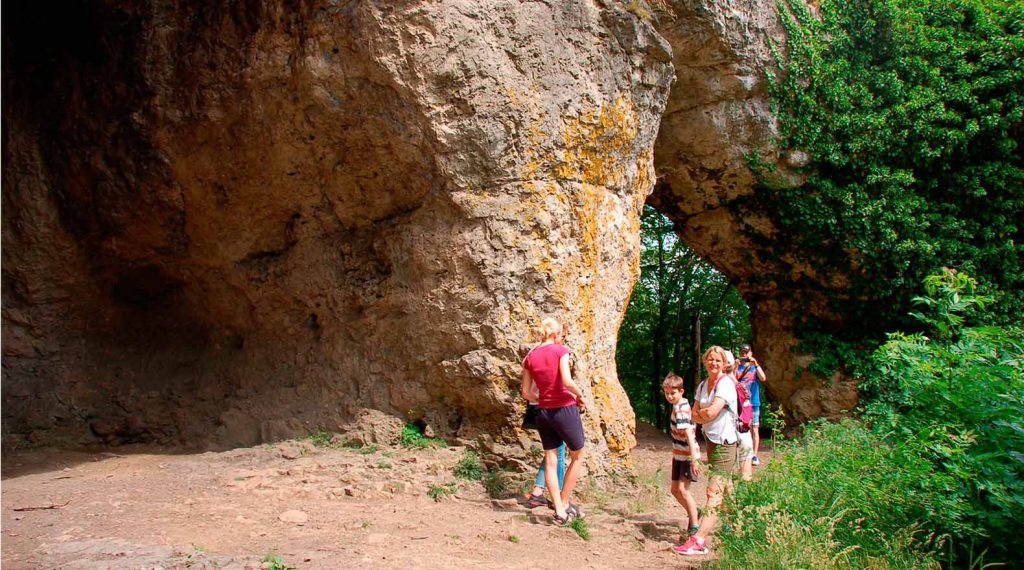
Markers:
point(692, 547)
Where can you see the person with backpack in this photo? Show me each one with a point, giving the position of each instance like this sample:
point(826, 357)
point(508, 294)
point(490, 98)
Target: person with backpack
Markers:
point(750, 373)
point(715, 407)
point(745, 448)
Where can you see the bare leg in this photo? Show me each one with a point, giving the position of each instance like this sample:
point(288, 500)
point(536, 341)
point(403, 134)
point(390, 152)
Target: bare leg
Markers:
point(572, 474)
point(551, 480)
point(716, 494)
point(755, 431)
point(681, 491)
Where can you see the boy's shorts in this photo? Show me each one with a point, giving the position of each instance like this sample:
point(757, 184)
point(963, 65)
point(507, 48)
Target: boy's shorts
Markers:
point(557, 425)
point(682, 470)
point(757, 416)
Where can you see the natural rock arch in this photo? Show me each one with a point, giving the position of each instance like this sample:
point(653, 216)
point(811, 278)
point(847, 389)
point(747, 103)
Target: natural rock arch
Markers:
point(225, 224)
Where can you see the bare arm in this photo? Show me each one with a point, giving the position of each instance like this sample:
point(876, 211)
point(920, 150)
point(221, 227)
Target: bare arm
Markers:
point(567, 381)
point(529, 389)
point(705, 415)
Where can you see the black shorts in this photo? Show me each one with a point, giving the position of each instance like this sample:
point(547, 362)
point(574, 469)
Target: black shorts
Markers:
point(558, 425)
point(682, 469)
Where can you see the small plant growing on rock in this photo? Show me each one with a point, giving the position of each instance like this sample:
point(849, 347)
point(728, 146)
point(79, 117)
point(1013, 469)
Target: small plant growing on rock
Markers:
point(495, 483)
point(469, 467)
point(412, 436)
point(438, 492)
point(274, 561)
point(321, 438)
point(513, 539)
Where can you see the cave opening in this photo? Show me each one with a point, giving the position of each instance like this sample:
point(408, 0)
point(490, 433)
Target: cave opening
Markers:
point(679, 305)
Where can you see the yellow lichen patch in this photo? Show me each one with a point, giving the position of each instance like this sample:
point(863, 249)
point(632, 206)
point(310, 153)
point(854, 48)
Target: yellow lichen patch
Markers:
point(598, 144)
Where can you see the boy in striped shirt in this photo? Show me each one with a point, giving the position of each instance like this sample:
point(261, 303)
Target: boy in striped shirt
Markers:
point(685, 452)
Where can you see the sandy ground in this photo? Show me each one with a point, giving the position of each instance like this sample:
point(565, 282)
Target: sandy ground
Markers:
point(318, 507)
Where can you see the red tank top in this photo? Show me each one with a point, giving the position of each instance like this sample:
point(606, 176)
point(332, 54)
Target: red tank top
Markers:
point(542, 363)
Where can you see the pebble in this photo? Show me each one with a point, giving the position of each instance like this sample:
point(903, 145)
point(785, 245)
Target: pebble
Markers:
point(294, 516)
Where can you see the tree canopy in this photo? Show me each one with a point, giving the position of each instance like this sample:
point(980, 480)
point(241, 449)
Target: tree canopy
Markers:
point(910, 114)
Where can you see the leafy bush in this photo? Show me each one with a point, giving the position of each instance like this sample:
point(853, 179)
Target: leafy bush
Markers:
point(839, 500)
point(909, 113)
point(495, 483)
point(960, 394)
point(438, 492)
point(933, 470)
point(412, 436)
point(469, 466)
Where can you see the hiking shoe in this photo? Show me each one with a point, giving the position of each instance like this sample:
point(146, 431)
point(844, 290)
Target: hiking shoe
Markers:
point(692, 547)
point(755, 461)
point(536, 501)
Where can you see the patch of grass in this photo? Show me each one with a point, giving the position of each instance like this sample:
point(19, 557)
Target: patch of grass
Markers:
point(412, 436)
point(321, 438)
point(274, 561)
point(372, 448)
point(581, 528)
point(438, 492)
point(384, 464)
point(469, 466)
point(593, 494)
point(513, 539)
point(495, 483)
point(367, 524)
point(648, 492)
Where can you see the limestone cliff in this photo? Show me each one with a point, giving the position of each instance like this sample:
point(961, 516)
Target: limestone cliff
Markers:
point(231, 222)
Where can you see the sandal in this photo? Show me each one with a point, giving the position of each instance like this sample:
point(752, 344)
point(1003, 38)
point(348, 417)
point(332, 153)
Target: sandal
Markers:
point(574, 510)
point(536, 501)
point(564, 521)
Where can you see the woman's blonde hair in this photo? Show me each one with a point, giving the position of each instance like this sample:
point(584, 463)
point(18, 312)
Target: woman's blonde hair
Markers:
point(716, 349)
point(548, 327)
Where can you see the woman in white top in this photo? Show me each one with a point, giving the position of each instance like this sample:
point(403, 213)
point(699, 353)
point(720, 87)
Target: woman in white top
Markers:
point(715, 408)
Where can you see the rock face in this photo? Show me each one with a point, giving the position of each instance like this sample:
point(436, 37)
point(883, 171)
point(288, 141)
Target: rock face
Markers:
point(226, 222)
point(717, 116)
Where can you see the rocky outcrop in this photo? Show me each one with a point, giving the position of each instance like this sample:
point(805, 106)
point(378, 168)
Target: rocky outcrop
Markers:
point(717, 117)
point(227, 223)
point(231, 222)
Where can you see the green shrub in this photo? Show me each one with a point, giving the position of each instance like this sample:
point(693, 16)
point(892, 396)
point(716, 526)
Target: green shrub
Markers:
point(959, 393)
point(495, 483)
point(934, 469)
point(438, 492)
point(274, 561)
point(412, 436)
point(469, 466)
point(838, 500)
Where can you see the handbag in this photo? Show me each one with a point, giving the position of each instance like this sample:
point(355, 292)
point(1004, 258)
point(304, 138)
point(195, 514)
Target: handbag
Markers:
point(530, 416)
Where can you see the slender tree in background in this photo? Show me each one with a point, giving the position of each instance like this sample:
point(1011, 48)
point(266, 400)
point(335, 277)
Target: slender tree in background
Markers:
point(678, 302)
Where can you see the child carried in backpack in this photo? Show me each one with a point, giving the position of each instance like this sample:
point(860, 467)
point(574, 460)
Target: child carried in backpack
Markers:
point(685, 451)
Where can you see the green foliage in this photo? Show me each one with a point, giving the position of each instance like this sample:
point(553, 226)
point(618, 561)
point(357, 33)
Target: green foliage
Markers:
point(469, 466)
point(274, 561)
point(412, 436)
point(438, 492)
point(933, 471)
point(840, 500)
point(911, 114)
point(655, 337)
point(321, 438)
point(960, 393)
point(581, 527)
point(495, 483)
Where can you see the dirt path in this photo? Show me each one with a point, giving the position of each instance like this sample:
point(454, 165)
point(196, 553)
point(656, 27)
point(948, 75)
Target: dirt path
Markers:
point(316, 508)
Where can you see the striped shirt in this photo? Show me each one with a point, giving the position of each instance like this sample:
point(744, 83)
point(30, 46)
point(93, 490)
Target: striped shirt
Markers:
point(681, 422)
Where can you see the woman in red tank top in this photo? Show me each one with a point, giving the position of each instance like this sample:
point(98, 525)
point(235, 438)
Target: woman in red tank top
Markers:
point(547, 381)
